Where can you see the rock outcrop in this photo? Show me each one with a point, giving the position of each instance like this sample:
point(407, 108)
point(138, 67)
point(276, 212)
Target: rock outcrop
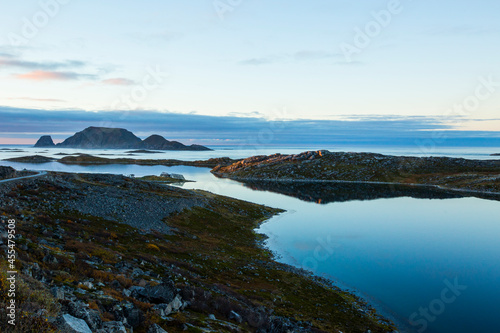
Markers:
point(45, 142)
point(7, 172)
point(325, 166)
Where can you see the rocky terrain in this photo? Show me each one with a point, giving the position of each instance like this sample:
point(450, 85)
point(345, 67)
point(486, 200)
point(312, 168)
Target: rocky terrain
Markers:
point(8, 172)
point(114, 138)
point(325, 166)
point(84, 159)
point(32, 159)
point(104, 253)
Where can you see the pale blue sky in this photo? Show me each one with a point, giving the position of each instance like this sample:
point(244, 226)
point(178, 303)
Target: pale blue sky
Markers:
point(259, 57)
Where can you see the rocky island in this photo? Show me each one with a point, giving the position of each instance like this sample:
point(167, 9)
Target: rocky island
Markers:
point(115, 138)
point(324, 166)
point(109, 253)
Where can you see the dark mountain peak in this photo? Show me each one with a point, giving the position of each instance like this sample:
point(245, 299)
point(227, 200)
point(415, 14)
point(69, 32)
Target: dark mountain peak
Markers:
point(44, 141)
point(103, 137)
point(158, 142)
point(115, 138)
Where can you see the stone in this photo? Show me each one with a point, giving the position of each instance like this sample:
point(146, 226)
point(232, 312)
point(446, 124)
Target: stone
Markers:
point(58, 293)
point(162, 293)
point(133, 315)
point(235, 316)
point(80, 310)
point(70, 324)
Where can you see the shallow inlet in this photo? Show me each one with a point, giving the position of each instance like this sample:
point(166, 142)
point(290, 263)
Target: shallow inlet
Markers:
point(400, 253)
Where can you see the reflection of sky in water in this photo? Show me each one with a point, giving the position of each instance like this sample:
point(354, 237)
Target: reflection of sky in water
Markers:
point(397, 252)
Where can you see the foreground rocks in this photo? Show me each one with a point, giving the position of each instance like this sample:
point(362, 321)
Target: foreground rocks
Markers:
point(89, 264)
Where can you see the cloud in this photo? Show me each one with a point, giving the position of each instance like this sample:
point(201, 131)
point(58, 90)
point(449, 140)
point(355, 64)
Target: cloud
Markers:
point(119, 82)
point(11, 62)
point(40, 75)
point(38, 99)
point(461, 30)
point(304, 55)
point(315, 55)
point(251, 131)
point(260, 61)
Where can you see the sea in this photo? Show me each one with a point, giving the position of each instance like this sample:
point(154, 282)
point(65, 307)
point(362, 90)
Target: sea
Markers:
point(431, 264)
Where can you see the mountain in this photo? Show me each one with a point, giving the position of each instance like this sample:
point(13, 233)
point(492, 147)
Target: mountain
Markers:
point(115, 138)
point(102, 137)
point(157, 142)
point(44, 142)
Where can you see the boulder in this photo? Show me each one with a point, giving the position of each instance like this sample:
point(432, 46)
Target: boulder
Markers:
point(70, 324)
point(58, 293)
point(80, 310)
point(162, 293)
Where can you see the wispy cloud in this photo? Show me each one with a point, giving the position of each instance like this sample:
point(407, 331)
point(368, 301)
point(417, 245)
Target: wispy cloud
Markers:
point(461, 30)
point(6, 61)
point(38, 99)
point(315, 55)
point(261, 61)
point(119, 82)
point(304, 55)
point(40, 75)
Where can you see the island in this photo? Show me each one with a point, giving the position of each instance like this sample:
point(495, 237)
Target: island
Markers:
point(325, 166)
point(115, 138)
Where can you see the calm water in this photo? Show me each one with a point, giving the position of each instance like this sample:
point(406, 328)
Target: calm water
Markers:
point(434, 261)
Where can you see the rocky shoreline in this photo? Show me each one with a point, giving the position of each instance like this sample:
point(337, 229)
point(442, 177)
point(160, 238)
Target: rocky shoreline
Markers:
point(457, 174)
point(85, 159)
point(116, 254)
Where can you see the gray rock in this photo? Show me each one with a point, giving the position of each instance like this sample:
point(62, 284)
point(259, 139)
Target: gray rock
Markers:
point(236, 317)
point(70, 324)
point(162, 293)
point(81, 311)
point(88, 284)
point(133, 315)
point(58, 293)
point(176, 303)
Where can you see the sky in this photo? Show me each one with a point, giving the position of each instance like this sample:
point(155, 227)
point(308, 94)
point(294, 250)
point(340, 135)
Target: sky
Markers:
point(325, 66)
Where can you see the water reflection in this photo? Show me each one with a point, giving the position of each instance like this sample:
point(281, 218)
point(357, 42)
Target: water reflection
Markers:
point(324, 193)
